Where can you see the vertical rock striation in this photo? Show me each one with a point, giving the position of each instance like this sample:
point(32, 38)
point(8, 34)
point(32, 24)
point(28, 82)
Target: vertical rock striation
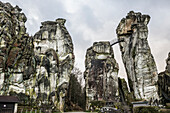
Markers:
point(126, 97)
point(55, 60)
point(16, 49)
point(101, 74)
point(36, 69)
point(136, 54)
point(164, 84)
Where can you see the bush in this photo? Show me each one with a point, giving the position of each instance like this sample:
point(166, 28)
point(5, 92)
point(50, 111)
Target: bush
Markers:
point(145, 109)
point(96, 105)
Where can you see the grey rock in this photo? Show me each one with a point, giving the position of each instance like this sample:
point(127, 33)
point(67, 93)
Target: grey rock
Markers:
point(137, 58)
point(101, 74)
point(168, 63)
point(126, 97)
point(164, 84)
point(36, 69)
point(53, 48)
point(16, 49)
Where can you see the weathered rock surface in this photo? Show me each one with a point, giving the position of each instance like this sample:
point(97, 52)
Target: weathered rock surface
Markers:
point(137, 58)
point(164, 83)
point(16, 49)
point(55, 60)
point(101, 74)
point(126, 97)
point(36, 69)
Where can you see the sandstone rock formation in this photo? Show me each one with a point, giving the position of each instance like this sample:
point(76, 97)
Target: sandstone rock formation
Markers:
point(101, 74)
point(136, 54)
point(36, 69)
point(164, 83)
point(16, 49)
point(126, 97)
point(55, 60)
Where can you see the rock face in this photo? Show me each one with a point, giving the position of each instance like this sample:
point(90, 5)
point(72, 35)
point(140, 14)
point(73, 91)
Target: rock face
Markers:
point(55, 60)
point(126, 97)
point(101, 74)
point(16, 49)
point(164, 84)
point(137, 58)
point(36, 69)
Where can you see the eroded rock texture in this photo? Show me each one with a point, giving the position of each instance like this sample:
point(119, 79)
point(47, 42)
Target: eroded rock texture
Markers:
point(136, 54)
point(101, 74)
point(36, 69)
point(55, 60)
point(126, 97)
point(164, 83)
point(16, 49)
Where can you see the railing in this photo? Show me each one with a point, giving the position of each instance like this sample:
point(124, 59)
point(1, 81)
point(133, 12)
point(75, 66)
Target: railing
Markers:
point(115, 41)
point(27, 109)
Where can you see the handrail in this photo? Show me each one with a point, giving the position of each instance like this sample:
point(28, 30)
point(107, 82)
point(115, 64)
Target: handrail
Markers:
point(115, 41)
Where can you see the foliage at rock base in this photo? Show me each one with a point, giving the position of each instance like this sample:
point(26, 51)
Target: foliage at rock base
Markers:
point(145, 109)
point(75, 99)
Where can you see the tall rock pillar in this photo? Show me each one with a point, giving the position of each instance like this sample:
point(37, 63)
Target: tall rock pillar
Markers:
point(35, 69)
point(164, 83)
point(55, 61)
point(101, 74)
point(136, 54)
point(16, 49)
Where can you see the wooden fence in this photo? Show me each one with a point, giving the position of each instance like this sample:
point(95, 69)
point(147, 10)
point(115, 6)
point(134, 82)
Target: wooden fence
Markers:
point(27, 109)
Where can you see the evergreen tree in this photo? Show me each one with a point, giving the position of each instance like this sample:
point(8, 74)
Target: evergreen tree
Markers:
point(76, 95)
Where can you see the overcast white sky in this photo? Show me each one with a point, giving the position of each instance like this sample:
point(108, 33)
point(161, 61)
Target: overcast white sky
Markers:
point(96, 20)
